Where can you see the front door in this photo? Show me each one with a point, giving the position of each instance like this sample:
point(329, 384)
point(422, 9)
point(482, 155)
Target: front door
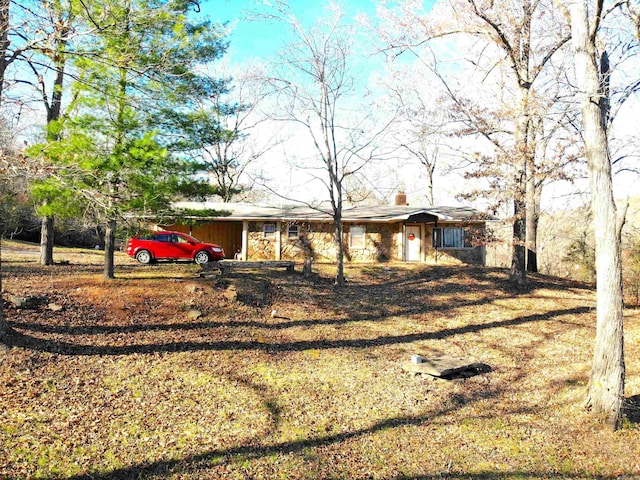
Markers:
point(413, 243)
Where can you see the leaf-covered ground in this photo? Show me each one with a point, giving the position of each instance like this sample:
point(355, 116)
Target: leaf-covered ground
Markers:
point(282, 377)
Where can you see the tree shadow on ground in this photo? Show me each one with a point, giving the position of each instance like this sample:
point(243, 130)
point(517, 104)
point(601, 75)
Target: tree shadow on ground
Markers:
point(417, 291)
point(403, 293)
point(530, 475)
point(632, 408)
point(67, 348)
point(199, 463)
point(432, 290)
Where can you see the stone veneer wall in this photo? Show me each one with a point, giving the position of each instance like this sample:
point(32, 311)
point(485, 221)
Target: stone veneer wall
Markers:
point(382, 243)
point(474, 255)
point(318, 236)
point(260, 248)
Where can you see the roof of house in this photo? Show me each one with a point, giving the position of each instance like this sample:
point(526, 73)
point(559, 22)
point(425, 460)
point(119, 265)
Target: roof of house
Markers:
point(350, 214)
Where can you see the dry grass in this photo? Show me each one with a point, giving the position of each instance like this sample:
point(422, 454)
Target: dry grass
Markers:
point(124, 383)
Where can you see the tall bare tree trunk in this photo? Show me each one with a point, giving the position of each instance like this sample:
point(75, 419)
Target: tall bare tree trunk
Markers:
point(109, 250)
point(337, 218)
point(5, 329)
point(429, 194)
point(532, 218)
point(518, 271)
point(46, 241)
point(521, 141)
point(4, 41)
point(606, 385)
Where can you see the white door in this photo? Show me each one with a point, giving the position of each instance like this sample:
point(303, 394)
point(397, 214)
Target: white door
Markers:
point(413, 243)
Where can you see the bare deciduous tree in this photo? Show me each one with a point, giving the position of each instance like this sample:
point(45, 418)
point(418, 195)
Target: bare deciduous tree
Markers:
point(421, 129)
point(7, 170)
point(5, 60)
point(315, 88)
point(220, 133)
point(517, 40)
point(40, 45)
point(606, 384)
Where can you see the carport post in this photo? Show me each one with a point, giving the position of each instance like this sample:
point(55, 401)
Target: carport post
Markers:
point(245, 240)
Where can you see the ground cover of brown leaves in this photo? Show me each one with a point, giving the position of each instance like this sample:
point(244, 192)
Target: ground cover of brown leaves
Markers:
point(297, 379)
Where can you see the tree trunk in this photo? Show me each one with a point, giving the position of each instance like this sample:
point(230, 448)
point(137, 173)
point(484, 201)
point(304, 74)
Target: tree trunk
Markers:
point(5, 330)
point(429, 194)
point(46, 241)
point(606, 384)
point(532, 219)
point(53, 114)
point(4, 42)
point(4, 45)
point(307, 268)
point(518, 271)
point(109, 250)
point(340, 253)
point(521, 155)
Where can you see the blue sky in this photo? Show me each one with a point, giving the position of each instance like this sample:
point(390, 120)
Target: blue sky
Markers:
point(263, 39)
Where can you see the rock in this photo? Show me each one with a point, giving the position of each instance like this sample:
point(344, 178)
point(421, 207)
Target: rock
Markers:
point(54, 307)
point(445, 366)
point(27, 303)
point(194, 314)
point(18, 302)
point(231, 293)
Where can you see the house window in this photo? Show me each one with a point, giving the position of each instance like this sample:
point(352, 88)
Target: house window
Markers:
point(293, 232)
point(356, 236)
point(269, 230)
point(450, 237)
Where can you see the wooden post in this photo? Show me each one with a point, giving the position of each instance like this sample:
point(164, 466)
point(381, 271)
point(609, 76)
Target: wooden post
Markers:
point(245, 240)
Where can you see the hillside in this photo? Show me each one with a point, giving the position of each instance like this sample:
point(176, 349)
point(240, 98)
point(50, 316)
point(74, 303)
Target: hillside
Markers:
point(562, 231)
point(160, 374)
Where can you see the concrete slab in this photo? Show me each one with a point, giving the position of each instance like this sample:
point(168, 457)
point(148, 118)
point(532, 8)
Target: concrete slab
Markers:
point(443, 366)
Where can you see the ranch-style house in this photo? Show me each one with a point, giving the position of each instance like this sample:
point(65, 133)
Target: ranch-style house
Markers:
point(371, 233)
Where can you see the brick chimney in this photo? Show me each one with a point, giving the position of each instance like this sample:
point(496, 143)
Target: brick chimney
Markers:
point(401, 198)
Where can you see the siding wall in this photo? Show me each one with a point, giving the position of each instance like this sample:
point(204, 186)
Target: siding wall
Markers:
point(226, 234)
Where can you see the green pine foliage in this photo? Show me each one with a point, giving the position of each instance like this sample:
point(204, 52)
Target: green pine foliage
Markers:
point(110, 156)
